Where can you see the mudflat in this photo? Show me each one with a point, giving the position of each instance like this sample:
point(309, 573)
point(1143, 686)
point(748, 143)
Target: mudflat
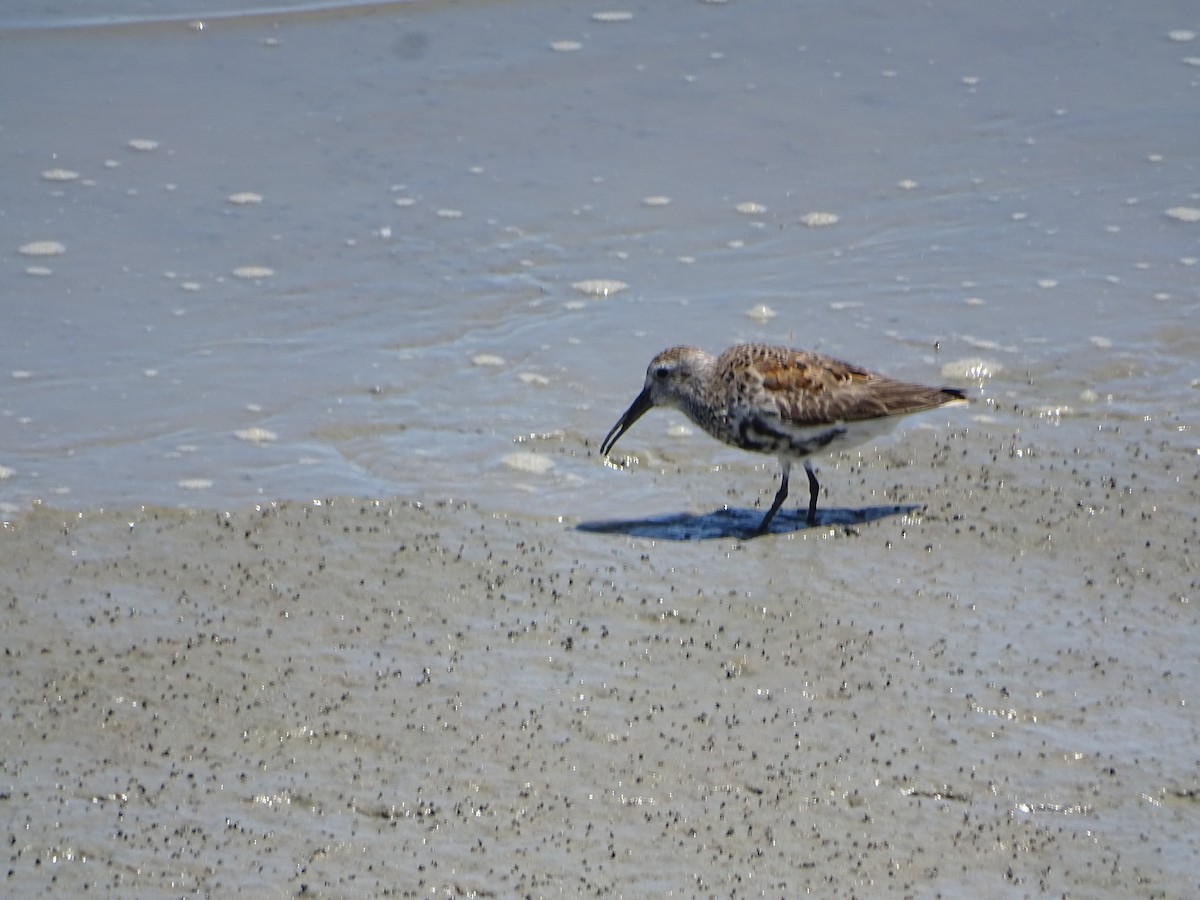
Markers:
point(972, 676)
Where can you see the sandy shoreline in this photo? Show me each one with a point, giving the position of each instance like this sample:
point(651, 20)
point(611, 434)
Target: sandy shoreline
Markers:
point(368, 697)
point(348, 253)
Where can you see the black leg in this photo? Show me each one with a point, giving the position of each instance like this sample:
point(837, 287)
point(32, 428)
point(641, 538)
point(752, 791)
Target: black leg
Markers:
point(779, 498)
point(813, 490)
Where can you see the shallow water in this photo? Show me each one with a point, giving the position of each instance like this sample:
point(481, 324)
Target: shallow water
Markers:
point(341, 257)
point(1014, 213)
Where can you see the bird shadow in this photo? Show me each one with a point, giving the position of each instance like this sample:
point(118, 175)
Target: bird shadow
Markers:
point(739, 523)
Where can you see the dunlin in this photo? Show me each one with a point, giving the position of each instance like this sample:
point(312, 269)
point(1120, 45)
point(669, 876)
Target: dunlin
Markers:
point(789, 403)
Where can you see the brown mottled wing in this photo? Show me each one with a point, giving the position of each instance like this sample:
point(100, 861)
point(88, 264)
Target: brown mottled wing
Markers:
point(811, 389)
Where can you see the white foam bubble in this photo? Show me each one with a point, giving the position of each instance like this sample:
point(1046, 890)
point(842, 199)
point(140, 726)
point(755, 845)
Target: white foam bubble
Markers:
point(530, 463)
point(256, 435)
point(1184, 213)
point(599, 287)
point(253, 272)
point(971, 368)
point(42, 248)
point(819, 219)
point(761, 313)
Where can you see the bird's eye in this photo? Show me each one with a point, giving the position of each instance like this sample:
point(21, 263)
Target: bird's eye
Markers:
point(661, 372)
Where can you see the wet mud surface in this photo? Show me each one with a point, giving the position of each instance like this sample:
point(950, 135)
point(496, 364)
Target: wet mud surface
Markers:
point(987, 691)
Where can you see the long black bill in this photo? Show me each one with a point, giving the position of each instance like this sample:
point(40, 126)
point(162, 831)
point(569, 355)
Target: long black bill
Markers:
point(636, 410)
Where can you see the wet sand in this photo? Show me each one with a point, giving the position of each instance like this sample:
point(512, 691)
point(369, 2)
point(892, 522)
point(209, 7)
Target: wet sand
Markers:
point(974, 678)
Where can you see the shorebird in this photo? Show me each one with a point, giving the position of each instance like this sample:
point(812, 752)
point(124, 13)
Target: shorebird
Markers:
point(776, 400)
